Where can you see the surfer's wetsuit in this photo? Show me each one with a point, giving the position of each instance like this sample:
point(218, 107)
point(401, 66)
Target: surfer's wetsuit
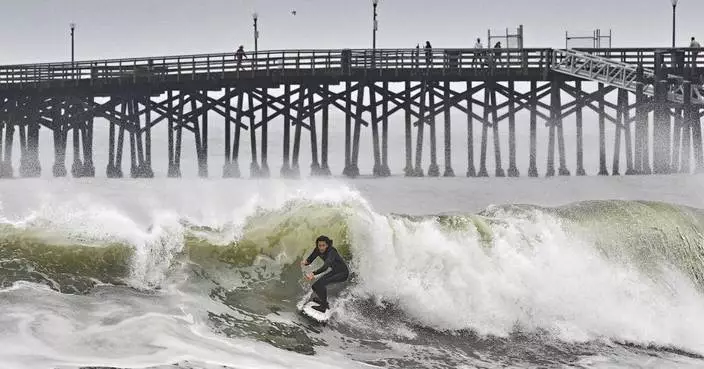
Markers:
point(338, 273)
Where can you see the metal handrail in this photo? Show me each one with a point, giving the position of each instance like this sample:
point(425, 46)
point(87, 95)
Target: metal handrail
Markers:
point(283, 61)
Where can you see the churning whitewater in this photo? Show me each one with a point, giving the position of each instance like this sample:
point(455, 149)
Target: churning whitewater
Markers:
point(156, 282)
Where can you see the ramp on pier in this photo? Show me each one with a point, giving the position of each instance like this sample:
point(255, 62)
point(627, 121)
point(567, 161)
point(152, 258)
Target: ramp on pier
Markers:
point(615, 73)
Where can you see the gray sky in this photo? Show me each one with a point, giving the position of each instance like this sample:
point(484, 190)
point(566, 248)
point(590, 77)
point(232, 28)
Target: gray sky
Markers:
point(37, 30)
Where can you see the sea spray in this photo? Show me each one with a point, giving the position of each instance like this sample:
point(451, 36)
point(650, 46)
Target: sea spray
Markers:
point(535, 276)
point(558, 270)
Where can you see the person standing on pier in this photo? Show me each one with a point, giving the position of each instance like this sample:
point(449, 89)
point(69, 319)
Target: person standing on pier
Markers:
point(417, 56)
point(696, 46)
point(239, 54)
point(497, 53)
point(428, 54)
point(478, 50)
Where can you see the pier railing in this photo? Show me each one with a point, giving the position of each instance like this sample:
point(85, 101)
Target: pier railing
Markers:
point(309, 62)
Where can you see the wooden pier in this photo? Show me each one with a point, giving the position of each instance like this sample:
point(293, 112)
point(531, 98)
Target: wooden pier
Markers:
point(298, 89)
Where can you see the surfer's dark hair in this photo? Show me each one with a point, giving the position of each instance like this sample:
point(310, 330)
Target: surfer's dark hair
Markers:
point(325, 239)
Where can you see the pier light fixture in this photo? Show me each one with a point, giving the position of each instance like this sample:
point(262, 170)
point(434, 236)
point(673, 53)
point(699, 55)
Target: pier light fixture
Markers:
point(375, 25)
point(73, 64)
point(674, 8)
point(255, 17)
point(375, 3)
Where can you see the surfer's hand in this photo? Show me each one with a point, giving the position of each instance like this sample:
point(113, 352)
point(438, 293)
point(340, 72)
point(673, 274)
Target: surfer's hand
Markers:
point(304, 262)
point(310, 276)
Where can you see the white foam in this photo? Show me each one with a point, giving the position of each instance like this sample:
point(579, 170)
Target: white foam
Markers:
point(41, 329)
point(321, 317)
point(534, 275)
point(150, 221)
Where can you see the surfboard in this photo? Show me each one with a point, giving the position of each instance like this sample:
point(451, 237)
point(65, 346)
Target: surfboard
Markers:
point(315, 314)
point(305, 307)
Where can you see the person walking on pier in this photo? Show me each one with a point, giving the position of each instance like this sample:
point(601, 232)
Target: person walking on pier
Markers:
point(428, 54)
point(239, 54)
point(497, 53)
point(478, 51)
point(417, 56)
point(339, 272)
point(696, 46)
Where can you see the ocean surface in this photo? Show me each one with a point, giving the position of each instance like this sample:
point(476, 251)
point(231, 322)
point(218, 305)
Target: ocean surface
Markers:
point(591, 272)
point(563, 272)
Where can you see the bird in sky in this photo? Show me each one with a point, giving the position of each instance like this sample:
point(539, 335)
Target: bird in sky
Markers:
point(293, 11)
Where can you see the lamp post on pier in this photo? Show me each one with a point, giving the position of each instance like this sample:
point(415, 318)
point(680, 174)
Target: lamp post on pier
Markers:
point(255, 16)
point(674, 9)
point(73, 64)
point(375, 3)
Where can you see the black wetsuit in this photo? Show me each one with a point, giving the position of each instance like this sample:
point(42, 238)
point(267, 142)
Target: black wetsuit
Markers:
point(338, 273)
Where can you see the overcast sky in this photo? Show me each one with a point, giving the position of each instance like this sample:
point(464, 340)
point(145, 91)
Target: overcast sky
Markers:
point(38, 30)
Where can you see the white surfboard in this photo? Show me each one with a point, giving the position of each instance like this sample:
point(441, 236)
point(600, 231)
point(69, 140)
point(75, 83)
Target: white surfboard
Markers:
point(305, 306)
point(315, 314)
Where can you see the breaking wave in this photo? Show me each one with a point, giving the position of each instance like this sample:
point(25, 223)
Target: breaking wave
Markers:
point(623, 272)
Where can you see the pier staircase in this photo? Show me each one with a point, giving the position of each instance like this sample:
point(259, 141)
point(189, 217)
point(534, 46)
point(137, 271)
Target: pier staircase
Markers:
point(618, 74)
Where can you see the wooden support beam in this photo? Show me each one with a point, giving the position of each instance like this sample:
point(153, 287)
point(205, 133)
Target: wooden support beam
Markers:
point(30, 166)
point(419, 134)
point(691, 117)
point(385, 171)
point(532, 167)
point(315, 164)
point(178, 125)
point(131, 121)
point(447, 145)
point(591, 101)
point(270, 102)
point(408, 169)
point(77, 165)
point(6, 169)
point(662, 139)
point(471, 171)
point(354, 167)
point(348, 129)
point(433, 170)
point(580, 135)
point(676, 114)
point(627, 132)
point(642, 160)
point(325, 167)
point(555, 108)
point(170, 137)
point(562, 170)
point(375, 131)
point(286, 166)
point(512, 169)
point(485, 131)
point(602, 134)
point(295, 168)
point(499, 170)
point(235, 166)
point(264, 171)
point(201, 136)
point(146, 170)
point(112, 171)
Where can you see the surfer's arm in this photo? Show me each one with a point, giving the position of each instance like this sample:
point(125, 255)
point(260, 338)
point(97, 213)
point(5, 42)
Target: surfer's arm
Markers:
point(312, 256)
point(332, 256)
point(323, 268)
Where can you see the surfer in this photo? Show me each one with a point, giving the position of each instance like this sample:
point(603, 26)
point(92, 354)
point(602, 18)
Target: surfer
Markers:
point(333, 261)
